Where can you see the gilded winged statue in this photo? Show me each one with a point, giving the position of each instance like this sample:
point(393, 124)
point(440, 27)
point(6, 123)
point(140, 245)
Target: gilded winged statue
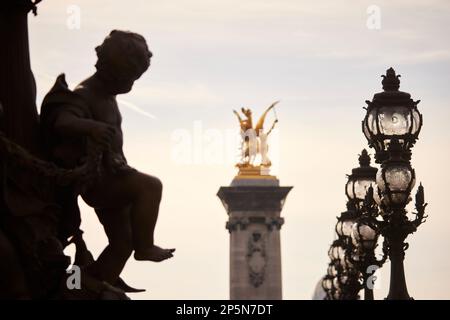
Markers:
point(254, 140)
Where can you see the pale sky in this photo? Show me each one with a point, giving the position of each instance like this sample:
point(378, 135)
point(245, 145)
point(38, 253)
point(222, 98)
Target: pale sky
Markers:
point(322, 61)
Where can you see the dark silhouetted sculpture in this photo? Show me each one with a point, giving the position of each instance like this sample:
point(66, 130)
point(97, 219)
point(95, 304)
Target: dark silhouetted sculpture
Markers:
point(75, 149)
point(125, 200)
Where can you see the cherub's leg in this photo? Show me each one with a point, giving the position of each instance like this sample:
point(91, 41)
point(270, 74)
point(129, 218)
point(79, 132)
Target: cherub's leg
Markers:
point(111, 261)
point(145, 208)
point(143, 194)
point(144, 214)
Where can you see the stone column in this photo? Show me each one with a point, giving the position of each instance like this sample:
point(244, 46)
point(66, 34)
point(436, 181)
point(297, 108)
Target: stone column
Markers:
point(254, 205)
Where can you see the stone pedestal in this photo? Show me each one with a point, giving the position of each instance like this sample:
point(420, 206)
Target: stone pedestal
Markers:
point(254, 205)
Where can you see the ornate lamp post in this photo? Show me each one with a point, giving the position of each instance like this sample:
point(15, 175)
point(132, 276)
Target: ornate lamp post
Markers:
point(391, 126)
point(358, 183)
point(336, 253)
point(364, 237)
point(360, 227)
point(391, 114)
point(395, 182)
point(343, 277)
point(365, 234)
point(327, 285)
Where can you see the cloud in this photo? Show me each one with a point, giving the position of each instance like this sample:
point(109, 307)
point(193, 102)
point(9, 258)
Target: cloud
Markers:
point(193, 95)
point(427, 56)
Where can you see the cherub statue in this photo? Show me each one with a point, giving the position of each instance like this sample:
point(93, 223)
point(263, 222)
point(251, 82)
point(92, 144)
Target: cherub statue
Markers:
point(125, 200)
point(254, 140)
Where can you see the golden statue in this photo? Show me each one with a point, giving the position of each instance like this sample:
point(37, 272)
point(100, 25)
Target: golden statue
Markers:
point(254, 142)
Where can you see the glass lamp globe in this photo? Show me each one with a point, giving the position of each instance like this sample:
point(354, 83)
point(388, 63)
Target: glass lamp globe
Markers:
point(337, 253)
point(365, 235)
point(344, 260)
point(337, 284)
point(340, 253)
point(393, 121)
point(332, 271)
point(357, 189)
point(327, 283)
point(396, 178)
point(346, 220)
point(344, 227)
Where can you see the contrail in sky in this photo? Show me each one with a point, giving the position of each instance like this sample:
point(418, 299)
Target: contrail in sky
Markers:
point(135, 108)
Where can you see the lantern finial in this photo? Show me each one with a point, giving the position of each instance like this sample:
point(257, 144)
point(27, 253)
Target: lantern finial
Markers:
point(364, 159)
point(391, 81)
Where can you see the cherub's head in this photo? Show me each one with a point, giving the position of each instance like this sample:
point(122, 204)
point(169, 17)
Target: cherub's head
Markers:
point(122, 58)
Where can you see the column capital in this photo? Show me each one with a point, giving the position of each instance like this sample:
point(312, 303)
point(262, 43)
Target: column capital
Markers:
point(253, 198)
point(274, 222)
point(234, 223)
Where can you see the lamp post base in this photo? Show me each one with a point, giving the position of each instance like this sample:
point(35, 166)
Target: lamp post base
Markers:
point(397, 288)
point(368, 293)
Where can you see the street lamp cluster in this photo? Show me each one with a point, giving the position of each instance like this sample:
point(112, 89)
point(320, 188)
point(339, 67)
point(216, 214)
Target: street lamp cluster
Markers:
point(377, 200)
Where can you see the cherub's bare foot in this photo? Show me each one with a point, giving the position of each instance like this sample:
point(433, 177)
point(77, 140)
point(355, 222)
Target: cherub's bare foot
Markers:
point(155, 254)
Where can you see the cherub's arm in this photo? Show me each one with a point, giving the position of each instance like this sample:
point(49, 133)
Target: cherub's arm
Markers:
point(71, 125)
